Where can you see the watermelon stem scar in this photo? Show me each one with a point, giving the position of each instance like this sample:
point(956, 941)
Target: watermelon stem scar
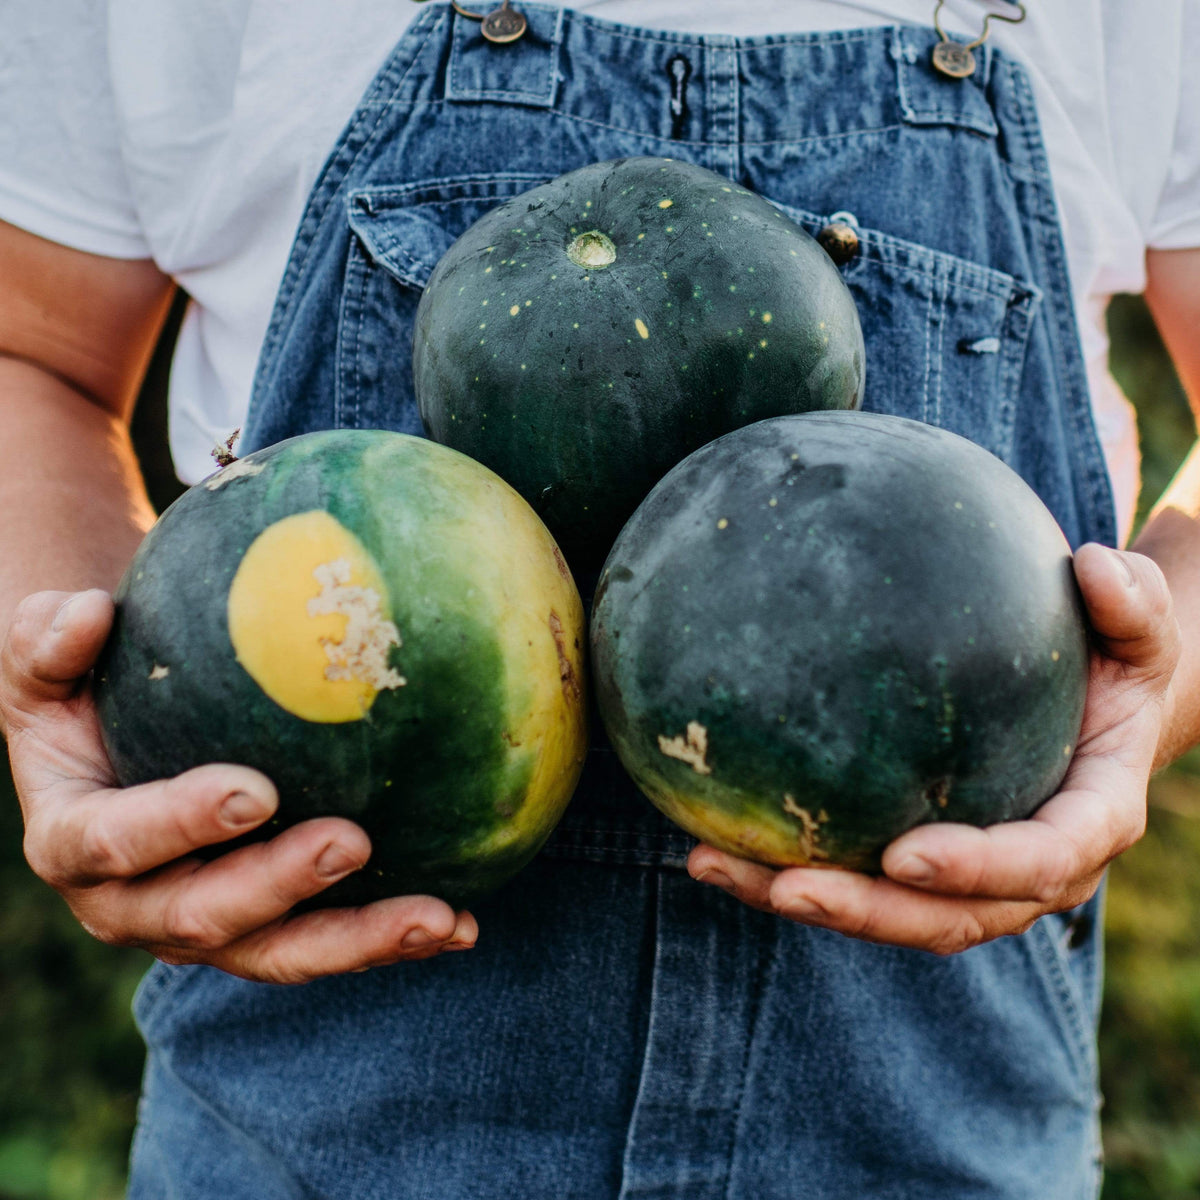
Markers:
point(592, 250)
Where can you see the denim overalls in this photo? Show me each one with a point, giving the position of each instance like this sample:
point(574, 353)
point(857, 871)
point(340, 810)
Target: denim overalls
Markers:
point(621, 1031)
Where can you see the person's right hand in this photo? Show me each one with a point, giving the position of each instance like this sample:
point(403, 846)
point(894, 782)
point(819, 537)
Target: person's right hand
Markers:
point(122, 858)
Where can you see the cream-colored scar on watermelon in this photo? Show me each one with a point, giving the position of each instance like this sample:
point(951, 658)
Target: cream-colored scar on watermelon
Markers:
point(309, 618)
point(362, 651)
point(692, 749)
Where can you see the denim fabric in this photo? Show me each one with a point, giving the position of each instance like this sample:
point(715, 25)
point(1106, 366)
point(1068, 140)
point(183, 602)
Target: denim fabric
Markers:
point(621, 1031)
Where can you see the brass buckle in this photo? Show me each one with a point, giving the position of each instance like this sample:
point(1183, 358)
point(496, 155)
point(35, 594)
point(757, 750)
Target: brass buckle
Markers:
point(954, 59)
point(501, 25)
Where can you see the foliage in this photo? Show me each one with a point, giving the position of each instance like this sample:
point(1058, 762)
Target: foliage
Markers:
point(71, 1061)
point(1150, 1029)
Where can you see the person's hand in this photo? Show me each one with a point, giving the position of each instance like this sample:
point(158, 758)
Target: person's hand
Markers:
point(948, 887)
point(119, 857)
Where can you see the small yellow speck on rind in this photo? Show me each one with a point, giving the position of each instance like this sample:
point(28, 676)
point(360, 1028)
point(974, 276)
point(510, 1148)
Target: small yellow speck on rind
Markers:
point(516, 308)
point(723, 523)
point(640, 326)
point(665, 203)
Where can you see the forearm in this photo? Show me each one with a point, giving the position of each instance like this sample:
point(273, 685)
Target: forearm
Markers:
point(1171, 537)
point(73, 506)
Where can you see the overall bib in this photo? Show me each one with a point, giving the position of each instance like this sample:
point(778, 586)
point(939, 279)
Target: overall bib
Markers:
point(621, 1031)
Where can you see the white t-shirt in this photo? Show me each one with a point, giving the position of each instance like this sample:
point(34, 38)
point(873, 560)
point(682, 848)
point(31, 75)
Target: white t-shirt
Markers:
point(192, 133)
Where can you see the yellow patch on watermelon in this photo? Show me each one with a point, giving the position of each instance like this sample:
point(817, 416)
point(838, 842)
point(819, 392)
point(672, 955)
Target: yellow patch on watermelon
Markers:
point(309, 619)
point(538, 620)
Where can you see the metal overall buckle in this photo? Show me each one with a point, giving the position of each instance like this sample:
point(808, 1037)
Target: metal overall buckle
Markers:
point(503, 24)
point(954, 59)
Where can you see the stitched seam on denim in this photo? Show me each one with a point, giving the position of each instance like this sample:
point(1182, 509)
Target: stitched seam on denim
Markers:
point(928, 358)
point(1064, 332)
point(765, 968)
point(735, 118)
point(1014, 338)
point(867, 130)
point(939, 354)
point(466, 95)
point(748, 45)
point(749, 143)
point(958, 120)
point(399, 191)
point(1080, 1039)
point(936, 276)
point(350, 314)
point(644, 1072)
point(887, 250)
point(327, 185)
point(238, 1134)
point(147, 999)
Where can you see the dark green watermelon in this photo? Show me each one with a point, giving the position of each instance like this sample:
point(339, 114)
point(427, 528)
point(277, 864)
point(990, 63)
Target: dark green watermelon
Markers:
point(584, 337)
point(384, 628)
point(824, 629)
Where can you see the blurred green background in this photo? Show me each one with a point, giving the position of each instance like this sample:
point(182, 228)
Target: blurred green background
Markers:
point(71, 1059)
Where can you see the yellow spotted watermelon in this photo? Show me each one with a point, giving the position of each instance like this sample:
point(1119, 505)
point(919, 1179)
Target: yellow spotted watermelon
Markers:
point(384, 628)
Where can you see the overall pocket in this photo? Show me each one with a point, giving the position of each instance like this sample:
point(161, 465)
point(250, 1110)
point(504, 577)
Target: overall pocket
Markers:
point(945, 337)
point(397, 235)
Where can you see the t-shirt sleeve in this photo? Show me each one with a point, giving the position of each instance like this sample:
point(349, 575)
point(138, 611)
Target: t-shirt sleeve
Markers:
point(62, 175)
point(1176, 221)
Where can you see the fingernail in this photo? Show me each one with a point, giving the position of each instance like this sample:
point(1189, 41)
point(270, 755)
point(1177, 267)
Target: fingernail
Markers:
point(459, 946)
point(244, 808)
point(912, 869)
point(63, 615)
point(416, 938)
point(716, 878)
point(336, 861)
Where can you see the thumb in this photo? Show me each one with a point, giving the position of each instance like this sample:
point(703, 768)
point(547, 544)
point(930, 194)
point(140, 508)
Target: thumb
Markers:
point(1130, 609)
point(53, 641)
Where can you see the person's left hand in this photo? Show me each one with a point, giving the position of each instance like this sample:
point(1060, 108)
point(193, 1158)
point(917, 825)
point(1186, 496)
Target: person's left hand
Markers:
point(948, 887)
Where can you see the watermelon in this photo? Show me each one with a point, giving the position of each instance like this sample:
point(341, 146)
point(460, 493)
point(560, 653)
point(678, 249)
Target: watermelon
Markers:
point(384, 628)
point(824, 629)
point(585, 336)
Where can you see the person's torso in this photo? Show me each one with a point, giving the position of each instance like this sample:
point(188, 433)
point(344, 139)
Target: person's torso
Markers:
point(227, 113)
